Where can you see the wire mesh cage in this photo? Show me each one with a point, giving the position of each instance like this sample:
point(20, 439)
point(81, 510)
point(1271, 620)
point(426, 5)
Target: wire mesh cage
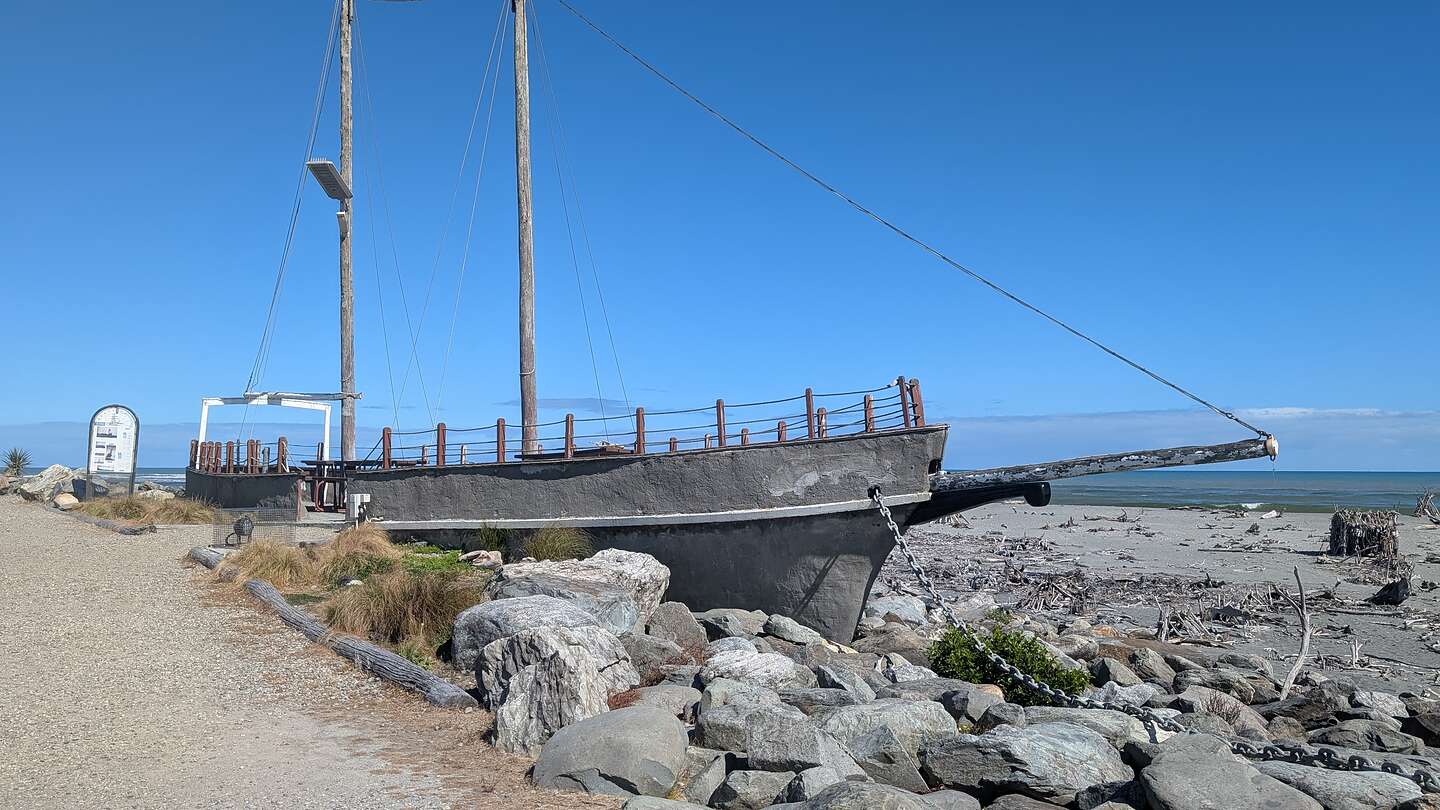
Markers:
point(237, 527)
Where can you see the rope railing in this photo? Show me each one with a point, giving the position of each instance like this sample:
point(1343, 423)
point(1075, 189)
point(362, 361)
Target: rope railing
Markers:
point(897, 405)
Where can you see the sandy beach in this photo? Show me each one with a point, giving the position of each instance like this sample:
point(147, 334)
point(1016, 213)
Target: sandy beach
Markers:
point(1130, 557)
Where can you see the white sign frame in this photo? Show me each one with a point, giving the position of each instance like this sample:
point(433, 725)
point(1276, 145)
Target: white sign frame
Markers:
point(114, 443)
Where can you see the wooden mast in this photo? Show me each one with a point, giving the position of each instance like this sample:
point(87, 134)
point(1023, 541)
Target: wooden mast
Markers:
point(347, 290)
point(529, 441)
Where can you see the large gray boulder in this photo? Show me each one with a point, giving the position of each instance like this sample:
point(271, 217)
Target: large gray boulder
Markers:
point(1182, 782)
point(1224, 680)
point(680, 701)
point(1227, 707)
point(702, 780)
point(784, 627)
point(636, 750)
point(810, 701)
point(654, 657)
point(1314, 707)
point(610, 604)
point(546, 696)
point(770, 670)
point(673, 621)
point(888, 761)
point(776, 743)
point(726, 726)
point(750, 790)
point(810, 782)
point(897, 607)
point(655, 803)
point(45, 484)
point(1343, 790)
point(1116, 727)
point(839, 677)
point(849, 795)
point(1383, 702)
point(726, 622)
point(1053, 761)
point(1367, 735)
point(914, 722)
point(926, 688)
point(502, 658)
point(894, 637)
point(642, 577)
point(1151, 666)
point(481, 624)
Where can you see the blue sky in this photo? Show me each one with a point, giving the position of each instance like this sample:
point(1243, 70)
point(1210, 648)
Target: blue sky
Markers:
point(1242, 196)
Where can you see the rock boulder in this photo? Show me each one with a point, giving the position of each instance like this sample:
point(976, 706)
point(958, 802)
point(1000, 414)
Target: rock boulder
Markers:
point(637, 750)
point(481, 624)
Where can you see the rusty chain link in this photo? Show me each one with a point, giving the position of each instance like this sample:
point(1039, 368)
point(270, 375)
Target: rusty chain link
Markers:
point(1321, 757)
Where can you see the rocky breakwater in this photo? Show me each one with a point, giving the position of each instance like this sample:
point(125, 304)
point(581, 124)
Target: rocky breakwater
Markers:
point(736, 710)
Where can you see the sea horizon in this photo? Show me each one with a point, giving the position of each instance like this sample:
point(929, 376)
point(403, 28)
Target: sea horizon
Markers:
point(1254, 490)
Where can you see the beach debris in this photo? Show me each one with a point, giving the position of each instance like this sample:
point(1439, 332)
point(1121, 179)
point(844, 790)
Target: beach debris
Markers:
point(1364, 533)
point(1425, 508)
point(1302, 610)
point(1393, 593)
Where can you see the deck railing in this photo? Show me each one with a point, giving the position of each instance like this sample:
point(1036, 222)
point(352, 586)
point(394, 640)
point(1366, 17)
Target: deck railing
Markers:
point(805, 416)
point(249, 457)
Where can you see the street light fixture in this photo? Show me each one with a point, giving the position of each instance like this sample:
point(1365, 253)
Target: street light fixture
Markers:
point(330, 179)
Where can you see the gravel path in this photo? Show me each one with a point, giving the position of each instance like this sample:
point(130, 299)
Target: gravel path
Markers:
point(130, 680)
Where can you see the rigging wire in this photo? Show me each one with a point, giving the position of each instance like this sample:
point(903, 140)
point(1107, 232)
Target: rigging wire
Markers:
point(470, 226)
point(459, 177)
point(374, 148)
point(569, 230)
point(262, 353)
point(363, 77)
point(563, 154)
point(906, 235)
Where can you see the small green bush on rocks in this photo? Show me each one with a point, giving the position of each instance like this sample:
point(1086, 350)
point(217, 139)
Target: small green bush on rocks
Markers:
point(953, 656)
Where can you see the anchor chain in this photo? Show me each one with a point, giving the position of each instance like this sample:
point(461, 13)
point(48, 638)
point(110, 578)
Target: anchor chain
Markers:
point(1321, 757)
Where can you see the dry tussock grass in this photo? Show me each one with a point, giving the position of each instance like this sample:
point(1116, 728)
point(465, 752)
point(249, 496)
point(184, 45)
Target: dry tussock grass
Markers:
point(146, 510)
point(287, 567)
point(399, 605)
point(559, 543)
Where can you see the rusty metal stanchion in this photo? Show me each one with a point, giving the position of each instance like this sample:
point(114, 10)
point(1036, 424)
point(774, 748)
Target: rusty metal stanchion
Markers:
point(809, 413)
point(780, 431)
point(720, 421)
point(385, 443)
point(917, 403)
point(440, 445)
point(640, 431)
point(904, 401)
point(500, 441)
point(869, 413)
point(821, 427)
point(569, 435)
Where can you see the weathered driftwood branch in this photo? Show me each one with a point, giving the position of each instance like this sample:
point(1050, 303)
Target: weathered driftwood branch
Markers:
point(1306, 630)
point(207, 557)
point(363, 654)
point(1095, 465)
point(1425, 508)
point(367, 656)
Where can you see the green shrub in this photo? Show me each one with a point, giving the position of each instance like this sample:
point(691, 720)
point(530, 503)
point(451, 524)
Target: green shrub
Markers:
point(16, 461)
point(558, 543)
point(416, 651)
point(425, 562)
point(492, 539)
point(953, 656)
point(359, 565)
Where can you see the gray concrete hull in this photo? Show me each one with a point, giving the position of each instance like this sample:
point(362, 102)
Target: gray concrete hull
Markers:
point(704, 482)
point(234, 491)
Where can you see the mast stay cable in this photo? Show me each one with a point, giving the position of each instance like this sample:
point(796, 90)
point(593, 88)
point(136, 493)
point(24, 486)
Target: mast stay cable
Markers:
point(901, 232)
point(459, 176)
point(555, 155)
point(494, 80)
point(563, 154)
point(257, 369)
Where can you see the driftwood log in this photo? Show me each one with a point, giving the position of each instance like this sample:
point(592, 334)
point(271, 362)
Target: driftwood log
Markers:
point(1359, 532)
point(1095, 465)
point(377, 660)
point(207, 557)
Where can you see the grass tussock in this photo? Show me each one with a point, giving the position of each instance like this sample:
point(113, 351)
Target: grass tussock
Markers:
point(359, 552)
point(147, 510)
point(558, 543)
point(401, 607)
point(284, 566)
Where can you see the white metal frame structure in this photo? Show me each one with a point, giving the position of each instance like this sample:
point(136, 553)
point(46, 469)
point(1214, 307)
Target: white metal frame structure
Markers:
point(309, 402)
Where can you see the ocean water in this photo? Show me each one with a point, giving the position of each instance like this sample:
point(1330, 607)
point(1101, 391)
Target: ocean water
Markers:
point(1248, 489)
